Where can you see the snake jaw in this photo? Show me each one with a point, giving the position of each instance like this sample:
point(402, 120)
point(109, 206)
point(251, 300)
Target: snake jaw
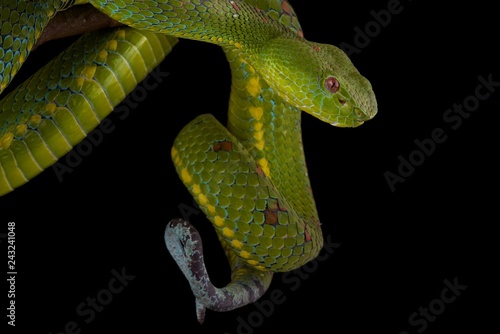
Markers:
point(354, 124)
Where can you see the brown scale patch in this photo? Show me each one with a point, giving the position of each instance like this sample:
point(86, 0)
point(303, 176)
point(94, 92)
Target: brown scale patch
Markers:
point(223, 146)
point(271, 212)
point(271, 217)
point(260, 171)
point(307, 235)
point(235, 6)
point(286, 7)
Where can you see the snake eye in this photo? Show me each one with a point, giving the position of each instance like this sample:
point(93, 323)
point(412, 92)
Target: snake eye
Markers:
point(332, 84)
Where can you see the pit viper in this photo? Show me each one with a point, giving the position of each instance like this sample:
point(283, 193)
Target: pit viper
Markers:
point(249, 177)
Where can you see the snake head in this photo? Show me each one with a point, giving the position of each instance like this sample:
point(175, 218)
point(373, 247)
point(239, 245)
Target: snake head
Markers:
point(319, 79)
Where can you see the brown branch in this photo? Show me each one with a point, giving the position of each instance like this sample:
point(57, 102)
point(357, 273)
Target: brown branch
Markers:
point(75, 21)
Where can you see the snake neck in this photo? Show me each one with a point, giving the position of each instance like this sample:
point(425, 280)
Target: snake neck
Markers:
point(270, 129)
point(230, 24)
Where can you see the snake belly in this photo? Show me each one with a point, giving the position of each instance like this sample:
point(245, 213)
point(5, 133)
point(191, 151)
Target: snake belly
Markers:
point(249, 177)
point(54, 109)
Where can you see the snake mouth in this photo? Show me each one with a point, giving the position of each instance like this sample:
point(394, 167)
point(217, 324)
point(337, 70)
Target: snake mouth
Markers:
point(356, 118)
point(353, 124)
point(356, 124)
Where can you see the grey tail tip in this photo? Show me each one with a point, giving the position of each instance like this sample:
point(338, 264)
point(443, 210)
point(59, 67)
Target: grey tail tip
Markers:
point(200, 312)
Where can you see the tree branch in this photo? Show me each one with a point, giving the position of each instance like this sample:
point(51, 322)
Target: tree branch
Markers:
point(75, 21)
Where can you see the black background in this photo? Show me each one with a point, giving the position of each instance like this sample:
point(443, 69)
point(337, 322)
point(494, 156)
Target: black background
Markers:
point(395, 249)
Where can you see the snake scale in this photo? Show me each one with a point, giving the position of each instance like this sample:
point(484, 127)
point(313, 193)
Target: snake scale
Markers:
point(249, 177)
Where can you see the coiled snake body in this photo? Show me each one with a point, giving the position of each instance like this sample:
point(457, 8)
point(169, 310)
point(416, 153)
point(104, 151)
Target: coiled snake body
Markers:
point(250, 179)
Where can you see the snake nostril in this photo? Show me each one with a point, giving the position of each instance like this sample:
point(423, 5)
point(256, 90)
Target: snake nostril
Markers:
point(342, 102)
point(360, 115)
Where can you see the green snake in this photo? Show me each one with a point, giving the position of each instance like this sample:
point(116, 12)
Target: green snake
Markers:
point(249, 177)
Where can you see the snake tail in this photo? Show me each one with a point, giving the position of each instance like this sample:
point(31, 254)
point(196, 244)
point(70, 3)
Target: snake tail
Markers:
point(184, 244)
point(259, 230)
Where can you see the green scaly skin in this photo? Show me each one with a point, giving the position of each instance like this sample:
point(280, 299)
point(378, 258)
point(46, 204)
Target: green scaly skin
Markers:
point(52, 111)
point(250, 179)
